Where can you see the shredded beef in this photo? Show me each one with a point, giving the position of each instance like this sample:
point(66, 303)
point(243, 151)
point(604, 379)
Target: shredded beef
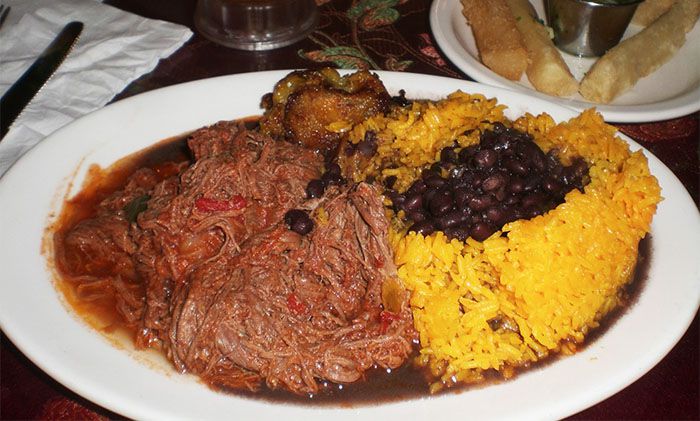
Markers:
point(297, 308)
point(210, 273)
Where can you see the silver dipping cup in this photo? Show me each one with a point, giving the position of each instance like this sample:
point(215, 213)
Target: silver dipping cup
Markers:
point(589, 28)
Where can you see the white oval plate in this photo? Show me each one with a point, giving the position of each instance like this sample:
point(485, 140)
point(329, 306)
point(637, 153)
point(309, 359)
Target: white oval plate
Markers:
point(35, 318)
point(672, 91)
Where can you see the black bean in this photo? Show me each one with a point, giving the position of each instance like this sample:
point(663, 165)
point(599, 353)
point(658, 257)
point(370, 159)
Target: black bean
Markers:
point(436, 167)
point(503, 142)
point(461, 197)
point(511, 200)
point(457, 172)
point(556, 172)
point(534, 155)
point(551, 185)
point(499, 128)
point(515, 166)
point(396, 198)
point(367, 147)
point(516, 185)
point(429, 194)
point(482, 231)
point(485, 158)
point(547, 204)
point(522, 136)
point(494, 323)
point(518, 213)
point(450, 219)
point(538, 161)
point(533, 200)
point(476, 179)
point(418, 187)
point(494, 181)
point(566, 176)
point(428, 172)
point(298, 221)
point(507, 215)
point(580, 167)
point(435, 181)
point(480, 203)
point(553, 164)
point(333, 169)
point(467, 212)
point(496, 214)
point(413, 202)
point(449, 155)
point(501, 193)
point(315, 189)
point(424, 228)
point(292, 214)
point(302, 226)
point(461, 233)
point(390, 181)
point(531, 213)
point(532, 182)
point(488, 139)
point(466, 153)
point(467, 179)
point(329, 178)
point(416, 216)
point(441, 203)
point(508, 153)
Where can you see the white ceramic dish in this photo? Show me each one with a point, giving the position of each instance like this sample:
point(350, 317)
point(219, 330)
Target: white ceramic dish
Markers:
point(35, 318)
point(672, 91)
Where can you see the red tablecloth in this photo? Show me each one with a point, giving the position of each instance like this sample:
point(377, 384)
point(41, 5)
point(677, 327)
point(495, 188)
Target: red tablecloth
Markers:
point(669, 391)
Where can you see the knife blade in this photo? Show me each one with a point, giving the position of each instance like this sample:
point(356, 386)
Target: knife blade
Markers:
point(34, 78)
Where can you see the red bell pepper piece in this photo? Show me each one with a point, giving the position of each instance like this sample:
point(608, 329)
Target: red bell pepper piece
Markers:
point(295, 305)
point(386, 318)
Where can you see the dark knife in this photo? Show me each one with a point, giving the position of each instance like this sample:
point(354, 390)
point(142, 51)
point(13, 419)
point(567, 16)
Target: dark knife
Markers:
point(31, 81)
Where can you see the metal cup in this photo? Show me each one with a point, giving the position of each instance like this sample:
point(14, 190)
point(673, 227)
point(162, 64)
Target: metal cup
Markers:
point(589, 28)
point(255, 24)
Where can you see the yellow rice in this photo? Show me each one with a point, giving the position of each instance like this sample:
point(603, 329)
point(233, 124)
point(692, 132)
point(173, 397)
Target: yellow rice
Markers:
point(553, 276)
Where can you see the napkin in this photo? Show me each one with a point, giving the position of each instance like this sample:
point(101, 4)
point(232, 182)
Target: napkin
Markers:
point(114, 49)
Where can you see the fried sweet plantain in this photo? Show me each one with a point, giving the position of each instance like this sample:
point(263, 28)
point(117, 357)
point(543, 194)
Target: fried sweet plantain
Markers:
point(315, 107)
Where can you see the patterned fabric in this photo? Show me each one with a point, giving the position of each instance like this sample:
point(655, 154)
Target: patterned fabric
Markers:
point(675, 129)
point(376, 35)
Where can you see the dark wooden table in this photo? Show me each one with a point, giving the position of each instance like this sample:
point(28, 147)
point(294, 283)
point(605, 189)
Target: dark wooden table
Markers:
point(398, 41)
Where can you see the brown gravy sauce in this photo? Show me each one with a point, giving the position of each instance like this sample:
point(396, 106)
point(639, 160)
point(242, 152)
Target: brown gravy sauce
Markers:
point(406, 382)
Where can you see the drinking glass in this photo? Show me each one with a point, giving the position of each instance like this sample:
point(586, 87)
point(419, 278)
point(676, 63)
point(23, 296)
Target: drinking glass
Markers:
point(255, 24)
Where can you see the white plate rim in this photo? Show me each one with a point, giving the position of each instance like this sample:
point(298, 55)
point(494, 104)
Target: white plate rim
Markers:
point(442, 12)
point(181, 397)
